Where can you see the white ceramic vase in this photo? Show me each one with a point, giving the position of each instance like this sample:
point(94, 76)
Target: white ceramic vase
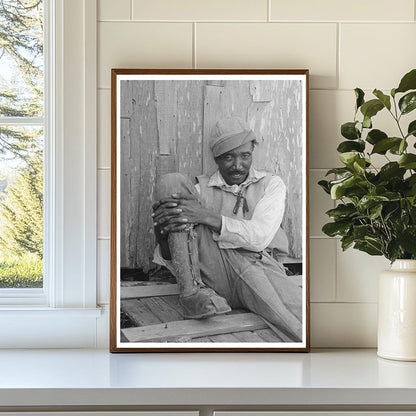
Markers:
point(397, 312)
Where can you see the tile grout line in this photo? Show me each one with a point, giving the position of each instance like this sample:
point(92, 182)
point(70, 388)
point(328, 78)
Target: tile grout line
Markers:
point(338, 64)
point(349, 302)
point(308, 22)
point(336, 271)
point(269, 11)
point(194, 62)
point(336, 246)
point(131, 9)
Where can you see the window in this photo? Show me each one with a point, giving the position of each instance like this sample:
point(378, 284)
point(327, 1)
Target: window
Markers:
point(21, 143)
point(63, 312)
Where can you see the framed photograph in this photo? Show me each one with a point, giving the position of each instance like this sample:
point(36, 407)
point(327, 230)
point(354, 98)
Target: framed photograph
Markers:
point(209, 210)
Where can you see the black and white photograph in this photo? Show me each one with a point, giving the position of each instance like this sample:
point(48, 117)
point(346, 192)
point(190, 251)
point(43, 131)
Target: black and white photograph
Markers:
point(209, 232)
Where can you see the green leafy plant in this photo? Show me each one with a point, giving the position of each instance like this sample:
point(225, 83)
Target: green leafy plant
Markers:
point(376, 212)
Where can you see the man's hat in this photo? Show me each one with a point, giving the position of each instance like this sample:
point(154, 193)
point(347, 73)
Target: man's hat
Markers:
point(230, 133)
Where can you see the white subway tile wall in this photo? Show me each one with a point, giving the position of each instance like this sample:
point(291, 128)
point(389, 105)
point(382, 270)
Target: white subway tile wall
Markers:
point(104, 203)
point(145, 45)
point(345, 44)
point(200, 10)
point(375, 54)
point(355, 10)
point(114, 10)
point(270, 45)
point(322, 269)
point(103, 270)
point(104, 128)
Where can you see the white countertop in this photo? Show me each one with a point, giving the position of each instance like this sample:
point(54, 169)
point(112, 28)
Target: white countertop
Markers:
point(96, 377)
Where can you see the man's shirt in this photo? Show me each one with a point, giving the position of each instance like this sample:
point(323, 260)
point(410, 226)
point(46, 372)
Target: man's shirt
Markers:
point(253, 234)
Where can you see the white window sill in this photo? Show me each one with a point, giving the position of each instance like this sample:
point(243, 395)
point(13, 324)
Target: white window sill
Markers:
point(330, 379)
point(40, 327)
point(38, 311)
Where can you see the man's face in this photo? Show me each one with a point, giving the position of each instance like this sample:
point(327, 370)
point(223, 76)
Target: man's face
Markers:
point(235, 164)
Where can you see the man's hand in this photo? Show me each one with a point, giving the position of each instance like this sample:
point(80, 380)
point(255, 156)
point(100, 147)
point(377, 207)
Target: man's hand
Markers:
point(167, 217)
point(173, 214)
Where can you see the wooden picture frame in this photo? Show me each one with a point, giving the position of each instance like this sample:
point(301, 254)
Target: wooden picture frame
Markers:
point(163, 122)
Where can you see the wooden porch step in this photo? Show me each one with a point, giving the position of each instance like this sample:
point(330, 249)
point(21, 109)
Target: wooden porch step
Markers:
point(183, 331)
point(140, 290)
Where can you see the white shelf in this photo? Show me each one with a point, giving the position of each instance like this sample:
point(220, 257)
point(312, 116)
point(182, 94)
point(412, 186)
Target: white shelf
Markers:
point(335, 378)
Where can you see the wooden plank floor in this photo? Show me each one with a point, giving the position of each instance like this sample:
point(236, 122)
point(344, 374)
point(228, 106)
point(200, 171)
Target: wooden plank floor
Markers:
point(156, 316)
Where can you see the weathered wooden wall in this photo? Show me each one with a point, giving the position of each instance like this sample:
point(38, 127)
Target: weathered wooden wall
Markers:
point(165, 127)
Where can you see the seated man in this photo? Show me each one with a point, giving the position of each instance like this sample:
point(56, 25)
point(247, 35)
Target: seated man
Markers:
point(212, 235)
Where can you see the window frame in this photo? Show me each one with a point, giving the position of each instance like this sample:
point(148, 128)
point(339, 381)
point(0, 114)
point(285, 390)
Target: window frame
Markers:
point(70, 167)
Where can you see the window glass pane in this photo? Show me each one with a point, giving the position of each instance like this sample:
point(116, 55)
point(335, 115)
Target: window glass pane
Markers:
point(21, 146)
point(21, 58)
point(21, 208)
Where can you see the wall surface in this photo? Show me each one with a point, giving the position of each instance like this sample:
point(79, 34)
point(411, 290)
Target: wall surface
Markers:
point(345, 44)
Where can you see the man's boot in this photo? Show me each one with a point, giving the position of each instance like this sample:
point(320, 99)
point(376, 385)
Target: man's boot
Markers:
point(197, 300)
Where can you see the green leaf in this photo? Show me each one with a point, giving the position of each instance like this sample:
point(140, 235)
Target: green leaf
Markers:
point(338, 171)
point(411, 182)
point(408, 82)
point(393, 92)
point(393, 250)
point(398, 149)
point(385, 99)
point(369, 201)
point(367, 122)
point(346, 187)
point(408, 102)
point(342, 211)
point(383, 145)
point(325, 186)
point(391, 170)
point(349, 146)
point(348, 158)
point(375, 211)
point(371, 108)
point(402, 147)
point(359, 94)
point(408, 161)
point(374, 136)
point(359, 165)
point(349, 131)
point(407, 239)
point(336, 228)
point(346, 242)
point(411, 130)
point(359, 232)
point(368, 248)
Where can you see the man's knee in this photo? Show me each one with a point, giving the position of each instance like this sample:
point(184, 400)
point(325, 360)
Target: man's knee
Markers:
point(171, 183)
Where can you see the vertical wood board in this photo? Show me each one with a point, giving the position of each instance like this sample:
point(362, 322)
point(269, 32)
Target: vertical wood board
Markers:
point(190, 117)
point(126, 99)
point(213, 111)
point(279, 130)
point(166, 109)
point(144, 131)
point(126, 217)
